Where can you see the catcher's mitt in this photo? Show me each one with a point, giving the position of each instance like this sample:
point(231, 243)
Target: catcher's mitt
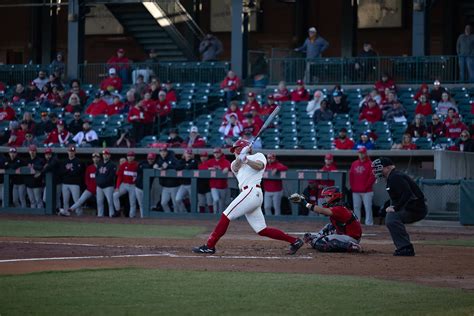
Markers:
point(298, 198)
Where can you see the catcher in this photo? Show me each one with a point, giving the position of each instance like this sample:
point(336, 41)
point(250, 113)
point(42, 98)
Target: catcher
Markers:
point(343, 233)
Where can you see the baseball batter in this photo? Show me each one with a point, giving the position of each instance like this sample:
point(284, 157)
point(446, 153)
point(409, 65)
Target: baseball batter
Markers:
point(248, 170)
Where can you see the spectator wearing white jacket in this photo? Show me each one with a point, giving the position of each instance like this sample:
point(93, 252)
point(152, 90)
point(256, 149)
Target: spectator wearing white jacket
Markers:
point(231, 127)
point(314, 104)
point(87, 138)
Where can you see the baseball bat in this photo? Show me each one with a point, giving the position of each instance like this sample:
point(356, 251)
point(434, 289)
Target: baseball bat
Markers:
point(269, 119)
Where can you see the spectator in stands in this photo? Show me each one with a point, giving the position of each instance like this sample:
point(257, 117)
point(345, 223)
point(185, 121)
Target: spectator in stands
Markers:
point(58, 66)
point(125, 140)
point(423, 90)
point(436, 128)
point(234, 108)
point(465, 51)
point(424, 106)
point(170, 186)
point(282, 94)
point(396, 113)
point(171, 95)
point(449, 118)
point(383, 83)
point(406, 144)
point(364, 142)
point(323, 113)
point(46, 97)
point(7, 113)
point(231, 127)
point(273, 188)
point(32, 93)
point(59, 136)
point(116, 107)
point(174, 140)
point(219, 187)
point(464, 143)
point(76, 89)
point(338, 105)
point(19, 94)
point(268, 107)
point(388, 101)
point(373, 94)
point(74, 104)
point(44, 126)
point(13, 162)
point(372, 113)
point(366, 63)
point(139, 86)
point(105, 180)
point(203, 189)
point(231, 84)
point(315, 103)
point(126, 176)
point(194, 140)
point(121, 64)
point(75, 126)
point(149, 163)
point(300, 93)
point(417, 128)
point(455, 128)
point(252, 123)
point(154, 88)
point(16, 135)
point(30, 139)
point(111, 83)
point(54, 81)
point(343, 142)
point(129, 103)
point(98, 106)
point(87, 137)
point(41, 80)
point(210, 48)
point(445, 104)
point(149, 113)
point(187, 162)
point(313, 46)
point(248, 135)
point(437, 91)
point(361, 180)
point(72, 171)
point(329, 164)
point(163, 107)
point(251, 103)
point(28, 118)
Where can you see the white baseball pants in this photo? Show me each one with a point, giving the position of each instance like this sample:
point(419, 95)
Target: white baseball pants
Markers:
point(84, 197)
point(248, 203)
point(272, 199)
point(168, 194)
point(366, 198)
point(108, 193)
point(205, 200)
point(35, 195)
point(130, 189)
point(219, 199)
point(19, 195)
point(184, 192)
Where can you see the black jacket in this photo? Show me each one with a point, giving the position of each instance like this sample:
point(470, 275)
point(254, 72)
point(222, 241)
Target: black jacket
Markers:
point(13, 164)
point(142, 166)
point(105, 174)
point(404, 193)
point(172, 162)
point(31, 181)
point(72, 171)
point(52, 165)
point(75, 126)
point(341, 108)
point(191, 164)
point(44, 127)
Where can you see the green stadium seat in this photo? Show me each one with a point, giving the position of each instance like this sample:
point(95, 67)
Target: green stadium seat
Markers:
point(424, 143)
point(384, 144)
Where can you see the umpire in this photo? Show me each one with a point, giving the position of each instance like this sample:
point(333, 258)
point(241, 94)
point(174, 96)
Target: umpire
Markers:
point(407, 204)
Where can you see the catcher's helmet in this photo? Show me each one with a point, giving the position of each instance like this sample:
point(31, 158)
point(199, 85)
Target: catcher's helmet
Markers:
point(333, 194)
point(238, 145)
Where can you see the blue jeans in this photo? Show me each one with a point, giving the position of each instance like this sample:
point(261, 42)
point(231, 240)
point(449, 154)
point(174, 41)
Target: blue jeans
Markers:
point(466, 62)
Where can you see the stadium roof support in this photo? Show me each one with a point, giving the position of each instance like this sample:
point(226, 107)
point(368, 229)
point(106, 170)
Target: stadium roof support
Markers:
point(237, 38)
point(74, 39)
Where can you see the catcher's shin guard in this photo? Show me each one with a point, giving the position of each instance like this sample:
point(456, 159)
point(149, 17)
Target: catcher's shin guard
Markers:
point(334, 245)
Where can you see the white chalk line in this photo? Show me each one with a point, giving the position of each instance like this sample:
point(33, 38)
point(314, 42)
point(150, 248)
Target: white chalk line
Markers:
point(161, 254)
point(69, 244)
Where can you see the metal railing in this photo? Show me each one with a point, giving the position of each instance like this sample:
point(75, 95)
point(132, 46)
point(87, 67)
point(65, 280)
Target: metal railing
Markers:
point(180, 16)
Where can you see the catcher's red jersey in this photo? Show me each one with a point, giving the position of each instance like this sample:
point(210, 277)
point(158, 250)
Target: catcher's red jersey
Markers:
point(341, 215)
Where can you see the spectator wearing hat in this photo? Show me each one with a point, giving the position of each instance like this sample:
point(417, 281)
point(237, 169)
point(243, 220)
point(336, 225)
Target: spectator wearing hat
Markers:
point(423, 90)
point(231, 84)
point(338, 105)
point(300, 93)
point(252, 123)
point(329, 164)
point(315, 103)
point(364, 142)
point(97, 106)
point(361, 180)
point(58, 66)
point(174, 140)
point(163, 107)
point(445, 104)
point(417, 128)
point(219, 187)
point(231, 127)
point(437, 91)
point(203, 188)
point(372, 113)
point(465, 52)
point(87, 137)
point(19, 189)
point(51, 164)
point(187, 162)
point(314, 45)
point(436, 128)
point(121, 64)
point(455, 128)
point(273, 188)
point(59, 136)
point(32, 93)
point(105, 181)
point(282, 93)
point(41, 80)
point(194, 140)
point(72, 172)
point(343, 142)
point(270, 106)
point(112, 82)
point(323, 114)
point(149, 163)
point(7, 113)
point(136, 117)
point(17, 133)
point(252, 104)
point(126, 176)
point(234, 108)
point(210, 48)
point(169, 186)
point(384, 83)
point(151, 67)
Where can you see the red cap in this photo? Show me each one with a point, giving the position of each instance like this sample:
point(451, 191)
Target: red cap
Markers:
point(329, 156)
point(251, 94)
point(189, 151)
point(270, 97)
point(32, 148)
point(131, 154)
point(48, 151)
point(105, 152)
point(120, 50)
point(204, 154)
point(217, 150)
point(362, 150)
point(151, 156)
point(61, 122)
point(299, 82)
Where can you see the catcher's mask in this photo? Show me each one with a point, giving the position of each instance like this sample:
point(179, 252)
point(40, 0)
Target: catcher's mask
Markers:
point(332, 195)
point(379, 164)
point(238, 145)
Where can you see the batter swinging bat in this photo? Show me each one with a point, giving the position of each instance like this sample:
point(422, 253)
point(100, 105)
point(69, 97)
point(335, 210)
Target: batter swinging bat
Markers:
point(267, 122)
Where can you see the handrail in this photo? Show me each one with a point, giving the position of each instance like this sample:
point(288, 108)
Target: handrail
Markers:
point(181, 11)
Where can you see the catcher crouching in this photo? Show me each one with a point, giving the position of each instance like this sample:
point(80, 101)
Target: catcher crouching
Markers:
point(343, 233)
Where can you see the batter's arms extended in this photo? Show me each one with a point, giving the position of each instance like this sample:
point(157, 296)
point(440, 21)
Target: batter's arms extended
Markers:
point(300, 199)
point(237, 163)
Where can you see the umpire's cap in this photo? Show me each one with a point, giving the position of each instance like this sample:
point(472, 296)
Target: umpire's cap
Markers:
point(385, 162)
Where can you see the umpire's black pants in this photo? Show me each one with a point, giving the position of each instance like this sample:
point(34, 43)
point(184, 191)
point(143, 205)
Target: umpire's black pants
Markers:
point(395, 222)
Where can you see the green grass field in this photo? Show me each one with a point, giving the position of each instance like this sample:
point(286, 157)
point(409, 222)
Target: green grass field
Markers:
point(152, 292)
point(13, 228)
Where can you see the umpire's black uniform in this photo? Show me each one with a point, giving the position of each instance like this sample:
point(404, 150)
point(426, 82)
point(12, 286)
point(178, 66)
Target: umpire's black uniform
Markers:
point(409, 204)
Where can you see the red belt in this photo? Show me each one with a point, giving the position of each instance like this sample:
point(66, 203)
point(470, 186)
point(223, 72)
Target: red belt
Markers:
point(246, 187)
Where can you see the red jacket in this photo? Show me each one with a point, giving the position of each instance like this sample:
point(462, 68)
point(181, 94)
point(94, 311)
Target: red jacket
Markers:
point(238, 111)
point(136, 115)
point(89, 179)
point(163, 108)
point(331, 167)
point(98, 108)
point(127, 173)
point(282, 95)
point(424, 108)
point(300, 94)
point(115, 82)
point(371, 114)
point(150, 110)
point(381, 86)
point(118, 62)
point(20, 138)
point(231, 84)
point(342, 215)
point(248, 107)
point(410, 146)
point(171, 96)
point(346, 145)
point(220, 164)
point(454, 130)
point(274, 185)
point(267, 109)
point(420, 92)
point(54, 137)
point(7, 114)
point(115, 108)
point(361, 177)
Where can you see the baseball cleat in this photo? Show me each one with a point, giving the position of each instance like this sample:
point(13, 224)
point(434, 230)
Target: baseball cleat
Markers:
point(295, 246)
point(308, 237)
point(63, 212)
point(204, 249)
point(407, 251)
point(355, 247)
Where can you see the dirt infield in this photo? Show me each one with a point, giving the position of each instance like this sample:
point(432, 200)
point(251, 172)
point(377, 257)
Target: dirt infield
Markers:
point(242, 250)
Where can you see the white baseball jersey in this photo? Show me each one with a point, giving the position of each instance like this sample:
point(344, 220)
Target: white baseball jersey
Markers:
point(247, 176)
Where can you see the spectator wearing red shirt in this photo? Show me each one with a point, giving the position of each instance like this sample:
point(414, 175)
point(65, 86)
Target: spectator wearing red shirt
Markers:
point(76, 89)
point(17, 135)
point(194, 140)
point(282, 94)
point(32, 93)
point(456, 127)
point(273, 188)
point(136, 115)
point(58, 136)
point(170, 92)
point(126, 176)
point(252, 123)
point(417, 128)
point(74, 104)
point(270, 106)
point(343, 142)
point(121, 64)
point(449, 118)
point(384, 83)
point(300, 93)
point(98, 106)
point(116, 107)
point(362, 180)
point(231, 84)
point(436, 128)
point(372, 113)
point(163, 106)
point(423, 107)
point(150, 111)
point(219, 187)
point(329, 164)
point(231, 127)
point(251, 104)
point(234, 108)
point(7, 113)
point(423, 90)
point(111, 83)
point(406, 144)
